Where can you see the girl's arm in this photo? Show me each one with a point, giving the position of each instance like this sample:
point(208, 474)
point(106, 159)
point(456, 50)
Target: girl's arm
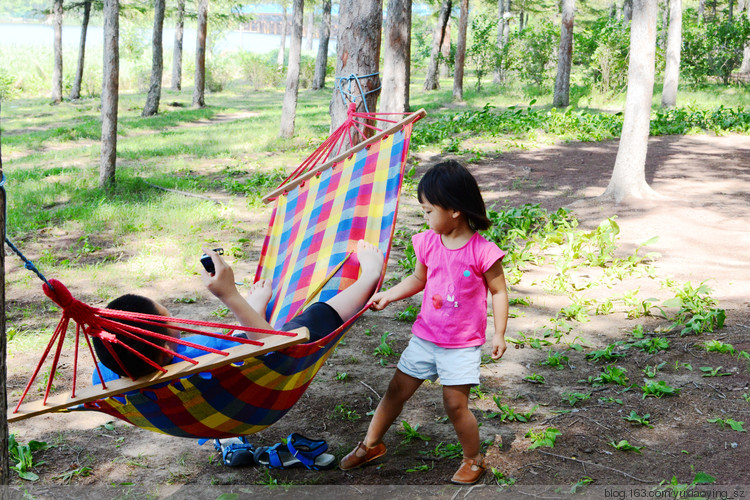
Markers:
point(495, 279)
point(408, 287)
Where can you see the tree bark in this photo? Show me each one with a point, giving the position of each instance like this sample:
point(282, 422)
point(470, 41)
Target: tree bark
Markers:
point(321, 61)
point(110, 93)
point(745, 67)
point(57, 72)
point(179, 32)
point(627, 11)
point(309, 28)
point(199, 91)
point(432, 80)
point(397, 58)
point(458, 72)
point(358, 53)
point(629, 173)
point(502, 26)
point(75, 92)
point(701, 10)
point(674, 44)
point(445, 50)
point(4, 432)
point(157, 61)
point(565, 55)
point(664, 24)
point(282, 46)
point(289, 106)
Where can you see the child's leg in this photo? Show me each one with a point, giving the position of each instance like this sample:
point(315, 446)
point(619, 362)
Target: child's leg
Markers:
point(400, 390)
point(350, 300)
point(456, 403)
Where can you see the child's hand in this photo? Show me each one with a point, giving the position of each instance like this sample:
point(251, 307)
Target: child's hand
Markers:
point(379, 301)
point(221, 283)
point(498, 346)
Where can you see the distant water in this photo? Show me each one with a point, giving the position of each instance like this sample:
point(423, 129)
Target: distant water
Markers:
point(43, 35)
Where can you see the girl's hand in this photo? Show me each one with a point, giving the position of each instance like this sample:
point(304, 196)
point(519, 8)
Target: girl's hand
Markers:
point(379, 301)
point(498, 346)
point(221, 283)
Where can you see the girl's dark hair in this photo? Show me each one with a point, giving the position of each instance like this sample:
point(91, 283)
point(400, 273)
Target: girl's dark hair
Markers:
point(135, 365)
point(450, 185)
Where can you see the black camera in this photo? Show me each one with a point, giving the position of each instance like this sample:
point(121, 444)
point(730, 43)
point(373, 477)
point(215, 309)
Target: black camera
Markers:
point(208, 264)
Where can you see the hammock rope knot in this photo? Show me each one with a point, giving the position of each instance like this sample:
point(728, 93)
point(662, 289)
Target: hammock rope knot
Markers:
point(73, 308)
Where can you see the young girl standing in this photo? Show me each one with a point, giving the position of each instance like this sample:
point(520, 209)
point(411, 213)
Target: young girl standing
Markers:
point(455, 268)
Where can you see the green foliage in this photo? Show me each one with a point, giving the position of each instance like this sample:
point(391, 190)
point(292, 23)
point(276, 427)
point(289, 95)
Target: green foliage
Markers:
point(637, 419)
point(709, 371)
point(652, 345)
point(545, 437)
point(678, 489)
point(447, 450)
point(408, 315)
point(603, 47)
point(556, 359)
point(712, 49)
point(651, 371)
point(384, 349)
point(501, 479)
point(623, 445)
point(611, 374)
point(658, 389)
point(574, 397)
point(508, 414)
point(343, 412)
point(531, 52)
point(696, 311)
point(728, 422)
point(610, 353)
point(22, 455)
point(535, 378)
point(483, 51)
point(719, 346)
point(410, 433)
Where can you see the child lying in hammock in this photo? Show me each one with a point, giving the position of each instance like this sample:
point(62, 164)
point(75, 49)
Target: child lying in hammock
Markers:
point(321, 318)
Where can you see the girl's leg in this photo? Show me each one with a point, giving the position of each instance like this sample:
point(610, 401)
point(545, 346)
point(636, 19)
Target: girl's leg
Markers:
point(400, 390)
point(456, 403)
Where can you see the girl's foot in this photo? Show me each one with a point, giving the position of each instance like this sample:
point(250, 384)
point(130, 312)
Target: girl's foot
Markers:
point(370, 260)
point(259, 296)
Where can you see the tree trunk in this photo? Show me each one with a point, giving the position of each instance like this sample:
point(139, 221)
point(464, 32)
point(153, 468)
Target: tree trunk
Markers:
point(179, 32)
point(289, 107)
point(199, 91)
point(321, 61)
point(664, 24)
point(627, 11)
point(520, 20)
point(745, 67)
point(309, 28)
point(731, 10)
point(282, 47)
point(502, 25)
point(397, 58)
point(445, 50)
point(564, 56)
point(358, 53)
point(4, 433)
point(157, 62)
point(110, 93)
point(57, 11)
point(629, 173)
point(458, 72)
point(432, 80)
point(75, 92)
point(674, 44)
point(701, 10)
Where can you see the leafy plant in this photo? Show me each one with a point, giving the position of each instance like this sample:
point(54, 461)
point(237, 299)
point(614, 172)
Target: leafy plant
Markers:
point(623, 445)
point(501, 478)
point(652, 345)
point(651, 371)
point(556, 359)
point(544, 437)
point(609, 353)
point(719, 346)
point(408, 315)
point(446, 450)
point(410, 433)
point(384, 349)
point(343, 412)
point(508, 414)
point(709, 371)
point(637, 419)
point(534, 378)
point(585, 480)
point(341, 376)
point(678, 489)
point(22, 455)
point(574, 397)
point(611, 374)
point(728, 422)
point(696, 311)
point(659, 389)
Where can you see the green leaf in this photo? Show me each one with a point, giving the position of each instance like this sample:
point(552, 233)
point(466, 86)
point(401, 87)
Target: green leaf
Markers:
point(703, 478)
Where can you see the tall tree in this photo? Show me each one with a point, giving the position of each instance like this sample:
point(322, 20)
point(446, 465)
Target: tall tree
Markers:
point(503, 12)
point(75, 92)
point(458, 72)
point(157, 61)
point(444, 68)
point(199, 91)
point(282, 47)
point(321, 61)
point(745, 67)
point(674, 44)
point(309, 27)
point(357, 53)
point(397, 57)
point(57, 72)
point(4, 433)
point(564, 55)
point(179, 32)
point(110, 93)
point(289, 106)
point(629, 173)
point(432, 80)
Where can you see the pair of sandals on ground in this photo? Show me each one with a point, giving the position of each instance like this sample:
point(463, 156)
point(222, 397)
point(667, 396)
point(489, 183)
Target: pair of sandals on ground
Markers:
point(295, 451)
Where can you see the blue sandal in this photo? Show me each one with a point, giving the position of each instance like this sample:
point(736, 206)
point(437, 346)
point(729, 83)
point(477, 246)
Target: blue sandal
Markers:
point(299, 450)
point(236, 452)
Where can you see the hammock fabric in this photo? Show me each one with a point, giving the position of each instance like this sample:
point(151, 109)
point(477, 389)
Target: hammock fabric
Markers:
point(320, 214)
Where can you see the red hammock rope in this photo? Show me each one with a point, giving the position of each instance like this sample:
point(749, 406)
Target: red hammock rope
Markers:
point(92, 322)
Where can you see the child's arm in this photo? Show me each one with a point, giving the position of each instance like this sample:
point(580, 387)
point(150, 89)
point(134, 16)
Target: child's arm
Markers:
point(408, 287)
point(221, 284)
point(495, 279)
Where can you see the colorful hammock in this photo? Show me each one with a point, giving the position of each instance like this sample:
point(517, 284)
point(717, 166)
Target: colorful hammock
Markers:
point(321, 211)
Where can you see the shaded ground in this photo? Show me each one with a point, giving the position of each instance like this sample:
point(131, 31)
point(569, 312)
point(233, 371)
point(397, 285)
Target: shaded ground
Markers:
point(703, 224)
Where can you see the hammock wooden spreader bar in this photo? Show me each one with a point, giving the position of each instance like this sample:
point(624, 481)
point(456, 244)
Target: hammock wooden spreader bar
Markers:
point(206, 363)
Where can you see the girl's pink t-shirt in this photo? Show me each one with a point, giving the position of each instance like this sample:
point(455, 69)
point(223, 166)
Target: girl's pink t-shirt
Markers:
point(454, 305)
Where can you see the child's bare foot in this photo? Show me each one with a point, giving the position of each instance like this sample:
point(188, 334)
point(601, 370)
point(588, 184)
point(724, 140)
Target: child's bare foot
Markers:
point(370, 260)
point(259, 295)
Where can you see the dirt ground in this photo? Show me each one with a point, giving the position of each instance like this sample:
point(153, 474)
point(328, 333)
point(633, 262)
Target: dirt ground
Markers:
point(703, 225)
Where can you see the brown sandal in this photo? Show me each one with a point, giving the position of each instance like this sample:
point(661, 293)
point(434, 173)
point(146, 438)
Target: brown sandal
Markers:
point(469, 472)
point(361, 455)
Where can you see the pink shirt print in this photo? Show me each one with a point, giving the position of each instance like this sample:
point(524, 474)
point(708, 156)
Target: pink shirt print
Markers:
point(454, 305)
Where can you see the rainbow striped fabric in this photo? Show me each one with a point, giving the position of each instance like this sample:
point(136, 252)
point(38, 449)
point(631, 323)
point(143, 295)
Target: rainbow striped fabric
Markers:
point(313, 228)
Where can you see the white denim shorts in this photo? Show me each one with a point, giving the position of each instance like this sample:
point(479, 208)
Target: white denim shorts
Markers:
point(426, 361)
